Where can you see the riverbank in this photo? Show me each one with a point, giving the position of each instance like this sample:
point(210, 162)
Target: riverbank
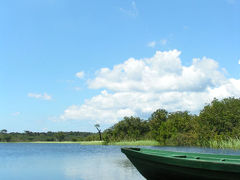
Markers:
point(226, 144)
point(70, 142)
point(121, 143)
point(136, 143)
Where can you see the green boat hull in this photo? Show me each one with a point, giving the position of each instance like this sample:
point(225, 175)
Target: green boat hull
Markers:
point(165, 165)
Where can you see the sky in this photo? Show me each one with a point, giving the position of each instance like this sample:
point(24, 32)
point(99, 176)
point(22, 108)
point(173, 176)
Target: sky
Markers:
point(66, 65)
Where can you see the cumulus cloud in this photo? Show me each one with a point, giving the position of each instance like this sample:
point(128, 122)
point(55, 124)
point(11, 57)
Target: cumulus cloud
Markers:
point(162, 72)
point(239, 61)
point(43, 96)
point(138, 87)
point(111, 104)
point(80, 74)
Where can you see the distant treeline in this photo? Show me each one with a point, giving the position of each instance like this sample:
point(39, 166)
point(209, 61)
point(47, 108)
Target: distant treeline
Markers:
point(29, 136)
point(217, 121)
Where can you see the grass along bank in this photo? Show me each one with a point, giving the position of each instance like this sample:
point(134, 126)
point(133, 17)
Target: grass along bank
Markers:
point(221, 144)
point(135, 143)
point(226, 144)
point(121, 143)
point(69, 142)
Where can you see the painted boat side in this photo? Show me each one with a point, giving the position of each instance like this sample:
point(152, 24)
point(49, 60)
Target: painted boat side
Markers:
point(155, 164)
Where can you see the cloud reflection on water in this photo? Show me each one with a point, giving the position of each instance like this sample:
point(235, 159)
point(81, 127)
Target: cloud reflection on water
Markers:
point(101, 167)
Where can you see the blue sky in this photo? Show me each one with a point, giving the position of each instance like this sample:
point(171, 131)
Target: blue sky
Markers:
point(66, 65)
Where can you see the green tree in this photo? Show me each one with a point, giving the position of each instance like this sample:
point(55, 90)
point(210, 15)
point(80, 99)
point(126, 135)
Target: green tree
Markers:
point(220, 120)
point(130, 128)
point(28, 132)
point(155, 121)
point(7, 138)
point(178, 129)
point(3, 131)
point(60, 136)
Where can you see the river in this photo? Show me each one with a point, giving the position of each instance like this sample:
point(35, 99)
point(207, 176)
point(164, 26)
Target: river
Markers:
point(30, 161)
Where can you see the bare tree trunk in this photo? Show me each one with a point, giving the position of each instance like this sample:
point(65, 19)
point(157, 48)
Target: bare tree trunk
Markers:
point(99, 131)
point(100, 135)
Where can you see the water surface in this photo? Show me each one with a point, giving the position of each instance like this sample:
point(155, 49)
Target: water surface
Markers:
point(26, 161)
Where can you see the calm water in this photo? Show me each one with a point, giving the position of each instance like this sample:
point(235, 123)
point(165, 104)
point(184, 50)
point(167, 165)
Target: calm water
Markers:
point(72, 162)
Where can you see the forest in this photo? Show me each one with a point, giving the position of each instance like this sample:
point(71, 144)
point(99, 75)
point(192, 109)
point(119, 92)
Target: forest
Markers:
point(29, 136)
point(217, 122)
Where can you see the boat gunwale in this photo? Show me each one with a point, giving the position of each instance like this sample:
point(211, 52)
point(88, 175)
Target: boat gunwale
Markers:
point(184, 162)
point(151, 151)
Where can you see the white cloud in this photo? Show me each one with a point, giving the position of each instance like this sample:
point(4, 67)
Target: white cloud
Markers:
point(103, 166)
point(151, 44)
point(111, 104)
point(132, 12)
point(80, 74)
point(140, 86)
point(43, 96)
point(239, 61)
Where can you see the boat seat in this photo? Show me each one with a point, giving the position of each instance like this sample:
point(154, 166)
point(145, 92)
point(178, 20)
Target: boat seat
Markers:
point(180, 156)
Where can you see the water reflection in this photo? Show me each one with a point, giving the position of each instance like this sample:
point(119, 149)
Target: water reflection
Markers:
point(73, 162)
point(125, 163)
point(64, 162)
point(100, 167)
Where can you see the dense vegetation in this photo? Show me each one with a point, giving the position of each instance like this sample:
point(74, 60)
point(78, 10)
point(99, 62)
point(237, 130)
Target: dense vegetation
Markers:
point(218, 123)
point(29, 136)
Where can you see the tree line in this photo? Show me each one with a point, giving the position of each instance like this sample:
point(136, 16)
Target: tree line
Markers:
point(218, 121)
point(29, 136)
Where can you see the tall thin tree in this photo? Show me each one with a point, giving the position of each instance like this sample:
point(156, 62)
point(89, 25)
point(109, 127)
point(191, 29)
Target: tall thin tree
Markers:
point(97, 126)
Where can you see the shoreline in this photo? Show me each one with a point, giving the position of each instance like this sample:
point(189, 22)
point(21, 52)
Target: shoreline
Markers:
point(213, 144)
point(121, 143)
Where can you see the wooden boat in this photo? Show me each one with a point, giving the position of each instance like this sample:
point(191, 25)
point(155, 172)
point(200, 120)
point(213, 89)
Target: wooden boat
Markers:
point(165, 165)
